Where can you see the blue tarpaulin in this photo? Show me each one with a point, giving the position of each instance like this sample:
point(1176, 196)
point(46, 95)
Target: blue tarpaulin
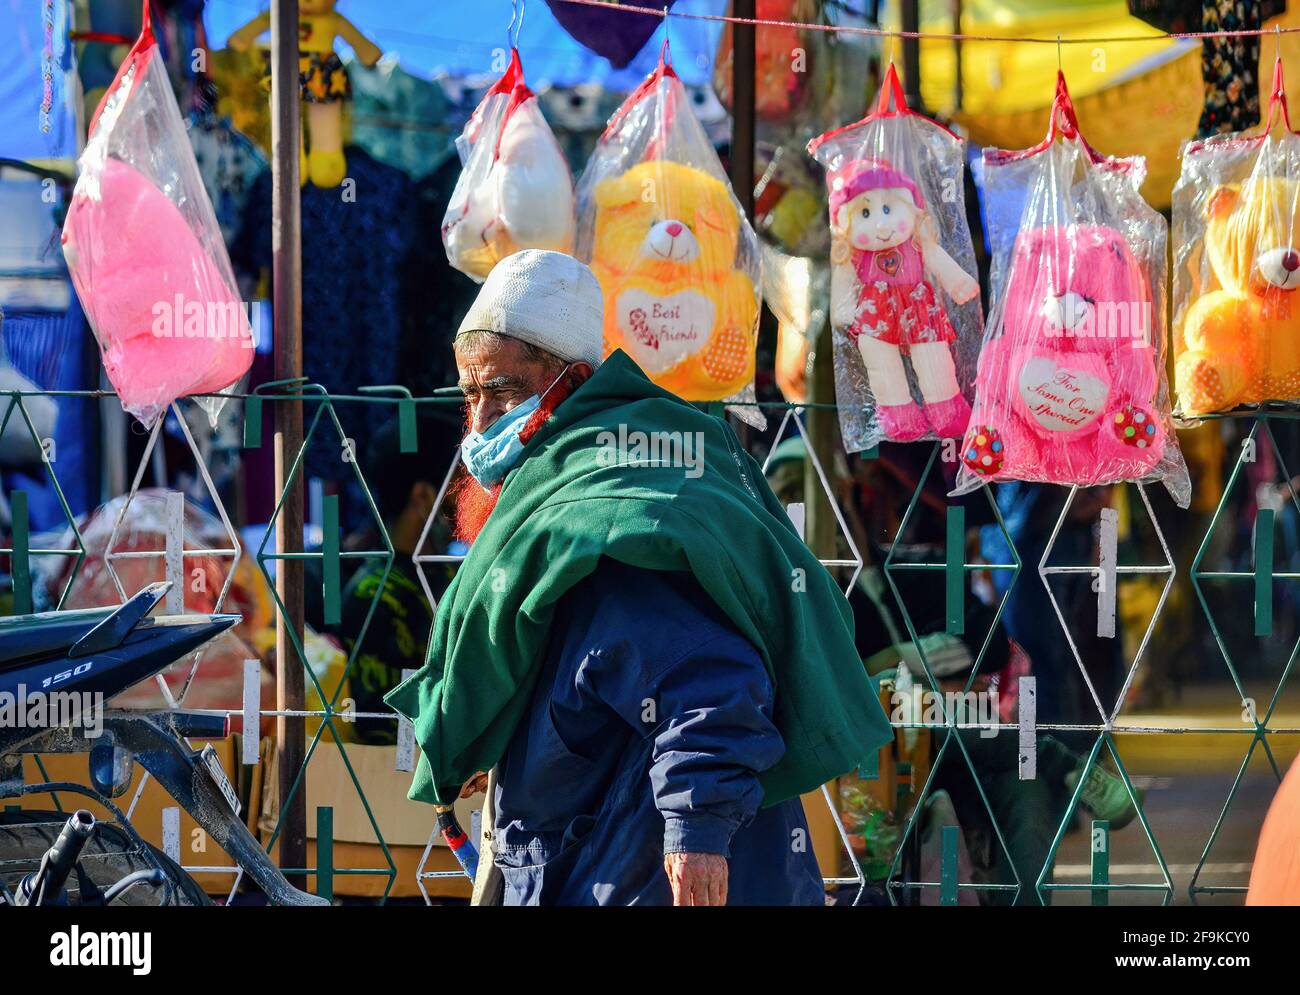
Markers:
point(37, 120)
point(466, 38)
point(429, 37)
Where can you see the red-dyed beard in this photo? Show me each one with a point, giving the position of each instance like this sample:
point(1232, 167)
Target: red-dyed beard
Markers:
point(473, 504)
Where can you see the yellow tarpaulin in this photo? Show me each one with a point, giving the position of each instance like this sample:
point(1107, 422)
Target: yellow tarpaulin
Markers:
point(1133, 98)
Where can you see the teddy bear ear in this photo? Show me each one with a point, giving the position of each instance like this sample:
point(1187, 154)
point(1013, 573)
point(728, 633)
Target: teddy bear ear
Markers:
point(1222, 201)
point(617, 191)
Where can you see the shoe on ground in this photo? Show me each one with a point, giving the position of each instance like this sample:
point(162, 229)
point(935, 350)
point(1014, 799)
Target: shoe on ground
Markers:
point(1104, 795)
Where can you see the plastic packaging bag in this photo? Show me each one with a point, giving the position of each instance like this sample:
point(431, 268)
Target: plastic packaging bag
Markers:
point(1071, 386)
point(1236, 221)
point(905, 309)
point(675, 255)
point(515, 190)
point(145, 251)
point(781, 56)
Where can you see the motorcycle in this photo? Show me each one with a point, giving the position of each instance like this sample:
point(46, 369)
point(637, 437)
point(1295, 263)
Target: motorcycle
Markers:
point(100, 652)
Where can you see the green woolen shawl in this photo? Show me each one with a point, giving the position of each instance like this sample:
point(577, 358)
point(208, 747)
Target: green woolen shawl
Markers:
point(574, 498)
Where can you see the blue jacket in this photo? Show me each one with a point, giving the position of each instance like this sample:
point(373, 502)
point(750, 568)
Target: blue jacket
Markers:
point(648, 726)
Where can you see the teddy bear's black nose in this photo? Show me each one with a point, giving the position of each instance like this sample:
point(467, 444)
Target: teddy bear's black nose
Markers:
point(1291, 261)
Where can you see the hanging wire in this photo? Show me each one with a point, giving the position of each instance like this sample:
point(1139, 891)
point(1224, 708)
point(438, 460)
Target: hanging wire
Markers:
point(516, 24)
point(763, 22)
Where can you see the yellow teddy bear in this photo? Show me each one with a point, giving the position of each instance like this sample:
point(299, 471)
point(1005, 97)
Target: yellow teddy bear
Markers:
point(1241, 344)
point(664, 251)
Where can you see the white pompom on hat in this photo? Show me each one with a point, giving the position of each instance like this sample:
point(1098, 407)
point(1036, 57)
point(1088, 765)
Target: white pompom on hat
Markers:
point(547, 299)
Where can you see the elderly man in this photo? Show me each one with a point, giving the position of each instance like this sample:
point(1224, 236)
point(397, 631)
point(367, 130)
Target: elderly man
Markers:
point(638, 640)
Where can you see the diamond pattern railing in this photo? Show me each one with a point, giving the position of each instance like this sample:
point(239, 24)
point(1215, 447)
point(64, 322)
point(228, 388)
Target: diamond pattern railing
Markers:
point(1262, 580)
point(954, 735)
point(19, 550)
point(329, 556)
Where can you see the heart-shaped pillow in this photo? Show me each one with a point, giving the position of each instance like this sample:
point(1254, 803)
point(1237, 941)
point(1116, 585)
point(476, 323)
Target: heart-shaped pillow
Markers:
point(1063, 396)
point(661, 331)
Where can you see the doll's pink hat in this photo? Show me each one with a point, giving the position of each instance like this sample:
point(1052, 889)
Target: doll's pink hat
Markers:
point(860, 175)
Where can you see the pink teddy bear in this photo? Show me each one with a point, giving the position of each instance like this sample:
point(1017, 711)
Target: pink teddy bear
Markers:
point(1066, 392)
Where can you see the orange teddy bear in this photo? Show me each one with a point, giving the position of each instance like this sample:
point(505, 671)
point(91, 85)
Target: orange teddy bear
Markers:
point(1241, 344)
point(664, 251)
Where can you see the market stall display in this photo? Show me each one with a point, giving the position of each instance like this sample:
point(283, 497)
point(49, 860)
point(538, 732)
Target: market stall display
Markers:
point(1070, 387)
point(1236, 216)
point(324, 84)
point(781, 70)
point(1065, 383)
point(145, 251)
point(902, 283)
point(676, 257)
point(514, 191)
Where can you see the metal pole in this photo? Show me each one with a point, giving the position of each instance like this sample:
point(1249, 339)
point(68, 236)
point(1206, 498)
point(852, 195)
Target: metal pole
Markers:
point(742, 106)
point(911, 21)
point(286, 267)
point(958, 83)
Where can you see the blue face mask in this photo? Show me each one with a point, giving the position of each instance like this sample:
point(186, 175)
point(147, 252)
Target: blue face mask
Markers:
point(490, 455)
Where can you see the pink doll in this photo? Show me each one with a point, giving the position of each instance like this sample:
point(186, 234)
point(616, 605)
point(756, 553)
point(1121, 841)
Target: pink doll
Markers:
point(885, 248)
point(1067, 392)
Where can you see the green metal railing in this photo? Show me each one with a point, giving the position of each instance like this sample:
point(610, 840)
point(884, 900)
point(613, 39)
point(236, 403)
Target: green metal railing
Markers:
point(955, 569)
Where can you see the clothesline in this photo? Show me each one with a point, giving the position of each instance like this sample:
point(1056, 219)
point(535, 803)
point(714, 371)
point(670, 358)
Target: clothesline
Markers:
point(760, 22)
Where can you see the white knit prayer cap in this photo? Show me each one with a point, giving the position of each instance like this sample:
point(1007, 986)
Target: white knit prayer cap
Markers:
point(547, 299)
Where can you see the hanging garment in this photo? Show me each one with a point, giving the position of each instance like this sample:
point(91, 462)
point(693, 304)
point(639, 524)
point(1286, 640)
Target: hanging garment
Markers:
point(229, 163)
point(400, 119)
point(47, 349)
point(355, 264)
point(1230, 67)
point(611, 33)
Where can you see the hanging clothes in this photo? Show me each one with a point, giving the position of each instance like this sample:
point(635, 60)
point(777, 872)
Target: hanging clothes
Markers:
point(43, 346)
point(611, 33)
point(400, 119)
point(357, 244)
point(1230, 67)
point(229, 164)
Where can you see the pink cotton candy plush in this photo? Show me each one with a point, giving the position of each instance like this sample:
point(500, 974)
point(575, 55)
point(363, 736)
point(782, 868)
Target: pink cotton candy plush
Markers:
point(168, 321)
point(1068, 392)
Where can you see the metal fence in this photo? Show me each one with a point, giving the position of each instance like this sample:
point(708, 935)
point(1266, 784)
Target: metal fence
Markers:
point(328, 418)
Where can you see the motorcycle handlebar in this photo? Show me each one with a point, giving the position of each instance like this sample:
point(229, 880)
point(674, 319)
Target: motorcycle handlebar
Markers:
point(61, 858)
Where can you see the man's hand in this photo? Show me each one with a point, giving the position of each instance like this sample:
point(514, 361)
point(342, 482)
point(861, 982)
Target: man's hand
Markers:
point(697, 878)
point(474, 785)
